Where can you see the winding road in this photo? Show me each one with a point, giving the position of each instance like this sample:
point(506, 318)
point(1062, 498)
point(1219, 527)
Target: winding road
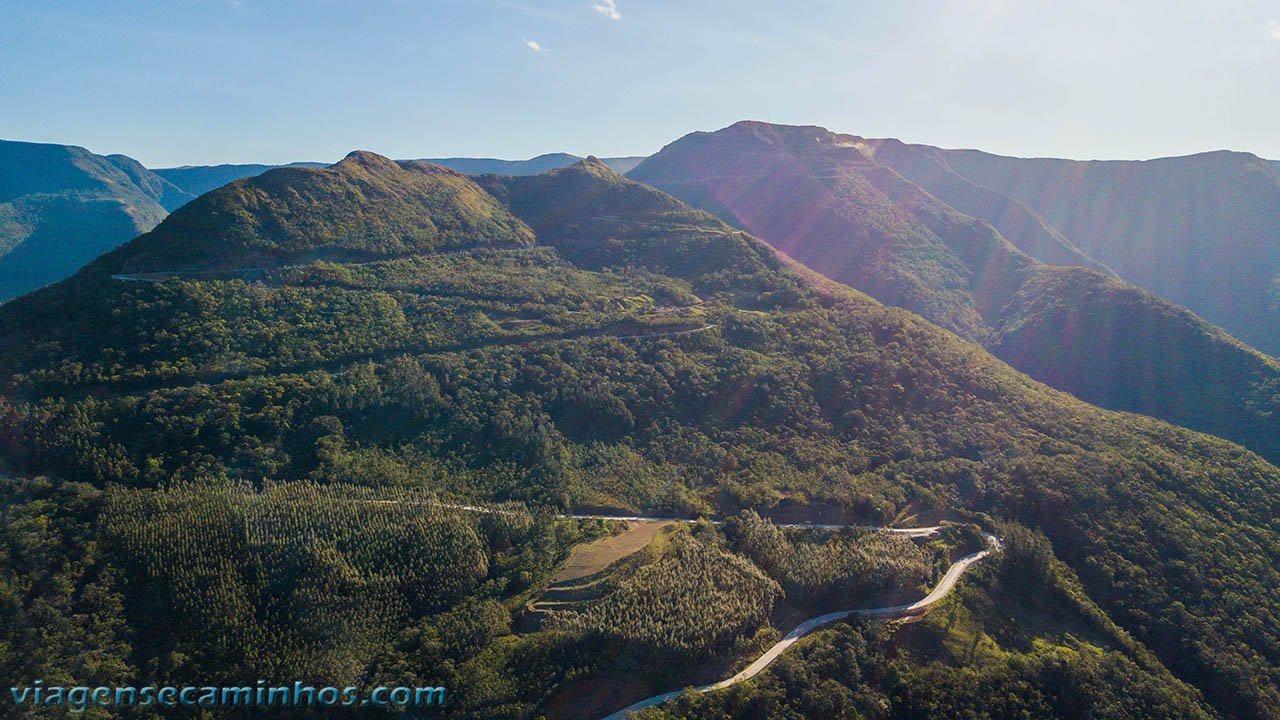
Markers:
point(940, 591)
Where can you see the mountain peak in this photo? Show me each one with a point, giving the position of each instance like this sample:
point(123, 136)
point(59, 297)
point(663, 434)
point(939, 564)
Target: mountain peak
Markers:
point(368, 160)
point(595, 166)
point(364, 207)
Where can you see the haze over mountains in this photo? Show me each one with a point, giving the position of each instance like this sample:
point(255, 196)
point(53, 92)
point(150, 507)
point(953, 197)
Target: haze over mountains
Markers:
point(382, 329)
point(826, 200)
point(200, 179)
point(1200, 230)
point(61, 206)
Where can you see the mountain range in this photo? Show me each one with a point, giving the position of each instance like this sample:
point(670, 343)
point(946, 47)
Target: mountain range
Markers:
point(200, 179)
point(250, 437)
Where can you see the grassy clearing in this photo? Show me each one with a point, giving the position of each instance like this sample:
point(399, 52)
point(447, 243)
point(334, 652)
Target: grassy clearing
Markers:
point(593, 557)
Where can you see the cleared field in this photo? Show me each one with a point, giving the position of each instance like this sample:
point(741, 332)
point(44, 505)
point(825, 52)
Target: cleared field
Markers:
point(593, 557)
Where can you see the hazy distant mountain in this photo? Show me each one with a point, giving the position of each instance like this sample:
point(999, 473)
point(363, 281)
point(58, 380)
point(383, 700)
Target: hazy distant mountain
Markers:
point(1202, 230)
point(200, 179)
point(61, 206)
point(1019, 224)
point(823, 199)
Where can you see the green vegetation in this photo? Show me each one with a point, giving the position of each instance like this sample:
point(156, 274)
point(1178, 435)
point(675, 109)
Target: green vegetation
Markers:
point(642, 357)
point(299, 579)
point(1159, 359)
point(365, 207)
point(822, 573)
point(683, 606)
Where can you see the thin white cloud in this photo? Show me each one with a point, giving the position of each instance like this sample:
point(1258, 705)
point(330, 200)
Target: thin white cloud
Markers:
point(1273, 29)
point(608, 8)
point(534, 46)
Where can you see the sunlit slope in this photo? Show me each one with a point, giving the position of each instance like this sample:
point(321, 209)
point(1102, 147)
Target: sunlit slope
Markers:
point(618, 350)
point(826, 201)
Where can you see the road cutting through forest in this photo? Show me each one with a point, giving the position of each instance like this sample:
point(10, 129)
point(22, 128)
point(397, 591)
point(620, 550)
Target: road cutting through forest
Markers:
point(940, 591)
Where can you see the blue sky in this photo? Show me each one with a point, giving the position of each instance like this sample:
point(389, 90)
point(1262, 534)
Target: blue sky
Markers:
point(208, 81)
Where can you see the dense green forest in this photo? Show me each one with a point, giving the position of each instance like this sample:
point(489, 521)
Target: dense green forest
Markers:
point(199, 460)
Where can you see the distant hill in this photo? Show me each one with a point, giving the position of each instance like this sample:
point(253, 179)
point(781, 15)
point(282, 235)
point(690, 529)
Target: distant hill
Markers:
point(1202, 231)
point(200, 179)
point(825, 200)
point(532, 166)
point(61, 206)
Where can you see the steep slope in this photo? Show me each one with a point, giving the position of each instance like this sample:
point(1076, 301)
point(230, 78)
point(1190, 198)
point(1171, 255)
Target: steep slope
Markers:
point(823, 199)
point(641, 356)
point(1116, 345)
point(1200, 230)
point(61, 206)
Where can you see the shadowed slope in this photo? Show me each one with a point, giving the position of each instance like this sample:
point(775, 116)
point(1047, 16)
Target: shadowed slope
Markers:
point(927, 168)
point(61, 206)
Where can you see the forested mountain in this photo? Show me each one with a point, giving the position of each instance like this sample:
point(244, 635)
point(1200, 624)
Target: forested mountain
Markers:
point(61, 206)
point(1202, 231)
point(365, 207)
point(246, 448)
point(826, 200)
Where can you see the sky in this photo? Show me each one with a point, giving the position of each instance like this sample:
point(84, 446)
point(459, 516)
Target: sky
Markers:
point(174, 82)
